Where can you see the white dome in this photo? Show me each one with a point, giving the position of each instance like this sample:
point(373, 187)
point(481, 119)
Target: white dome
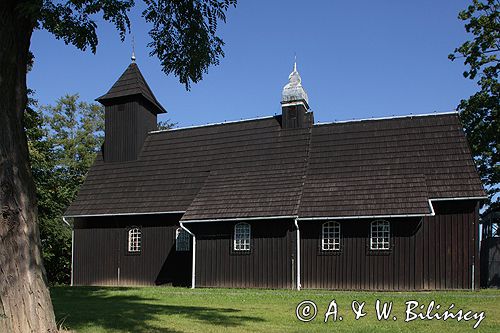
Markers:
point(293, 90)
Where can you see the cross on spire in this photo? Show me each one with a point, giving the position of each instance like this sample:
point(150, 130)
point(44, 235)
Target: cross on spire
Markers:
point(133, 49)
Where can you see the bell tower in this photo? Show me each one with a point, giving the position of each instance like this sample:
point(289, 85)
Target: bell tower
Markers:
point(130, 112)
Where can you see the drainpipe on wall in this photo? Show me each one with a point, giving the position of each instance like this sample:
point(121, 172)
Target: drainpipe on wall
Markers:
point(193, 268)
point(298, 252)
point(476, 250)
point(473, 273)
point(72, 247)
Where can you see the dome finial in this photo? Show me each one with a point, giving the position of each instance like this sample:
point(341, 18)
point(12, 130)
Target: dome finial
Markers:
point(133, 49)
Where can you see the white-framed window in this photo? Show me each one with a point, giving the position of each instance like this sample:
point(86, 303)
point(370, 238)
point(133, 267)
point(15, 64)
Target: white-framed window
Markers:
point(181, 240)
point(242, 237)
point(330, 236)
point(134, 240)
point(380, 235)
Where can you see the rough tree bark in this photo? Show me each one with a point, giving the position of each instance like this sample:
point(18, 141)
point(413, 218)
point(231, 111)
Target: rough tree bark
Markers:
point(25, 304)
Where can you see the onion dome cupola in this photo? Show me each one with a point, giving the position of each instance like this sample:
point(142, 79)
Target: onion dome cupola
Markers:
point(295, 103)
point(293, 92)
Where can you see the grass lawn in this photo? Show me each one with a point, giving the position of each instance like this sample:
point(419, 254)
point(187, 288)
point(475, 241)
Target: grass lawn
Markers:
point(168, 309)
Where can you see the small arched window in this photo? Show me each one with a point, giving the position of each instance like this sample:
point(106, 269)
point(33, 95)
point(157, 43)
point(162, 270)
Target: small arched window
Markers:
point(181, 240)
point(242, 237)
point(330, 236)
point(134, 240)
point(380, 237)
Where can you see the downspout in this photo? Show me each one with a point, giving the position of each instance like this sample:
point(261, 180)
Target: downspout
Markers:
point(477, 244)
point(193, 267)
point(473, 273)
point(473, 285)
point(72, 247)
point(296, 221)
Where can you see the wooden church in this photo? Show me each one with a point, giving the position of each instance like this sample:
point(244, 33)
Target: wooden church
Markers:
point(276, 202)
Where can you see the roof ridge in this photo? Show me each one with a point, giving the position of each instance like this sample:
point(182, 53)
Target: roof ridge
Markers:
point(212, 124)
point(143, 80)
point(317, 124)
point(388, 118)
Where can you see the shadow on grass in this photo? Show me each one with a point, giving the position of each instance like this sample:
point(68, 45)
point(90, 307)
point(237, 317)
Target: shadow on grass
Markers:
point(112, 310)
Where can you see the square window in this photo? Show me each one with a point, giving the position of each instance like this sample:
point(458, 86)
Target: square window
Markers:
point(330, 236)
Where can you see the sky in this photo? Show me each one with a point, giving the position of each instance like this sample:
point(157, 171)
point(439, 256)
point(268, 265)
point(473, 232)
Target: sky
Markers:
point(357, 60)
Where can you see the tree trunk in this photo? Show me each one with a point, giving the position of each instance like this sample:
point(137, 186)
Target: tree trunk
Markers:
point(25, 304)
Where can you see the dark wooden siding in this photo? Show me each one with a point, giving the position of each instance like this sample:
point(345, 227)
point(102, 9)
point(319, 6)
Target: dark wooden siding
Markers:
point(268, 265)
point(96, 254)
point(426, 254)
point(100, 250)
point(126, 127)
point(296, 116)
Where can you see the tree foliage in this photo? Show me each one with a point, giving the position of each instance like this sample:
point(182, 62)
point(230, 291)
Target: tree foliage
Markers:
point(183, 32)
point(165, 125)
point(63, 140)
point(182, 29)
point(480, 113)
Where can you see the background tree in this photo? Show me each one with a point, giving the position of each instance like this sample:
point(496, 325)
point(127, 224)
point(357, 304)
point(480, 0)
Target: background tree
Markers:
point(166, 124)
point(480, 113)
point(183, 37)
point(63, 141)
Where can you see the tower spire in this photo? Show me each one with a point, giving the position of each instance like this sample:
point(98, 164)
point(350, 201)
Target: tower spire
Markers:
point(133, 49)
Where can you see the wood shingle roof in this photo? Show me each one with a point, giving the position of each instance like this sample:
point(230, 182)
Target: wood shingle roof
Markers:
point(257, 169)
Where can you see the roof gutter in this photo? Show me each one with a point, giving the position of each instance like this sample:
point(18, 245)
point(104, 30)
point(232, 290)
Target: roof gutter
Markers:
point(356, 217)
point(243, 219)
point(124, 214)
point(65, 221)
point(459, 198)
point(431, 207)
point(193, 267)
